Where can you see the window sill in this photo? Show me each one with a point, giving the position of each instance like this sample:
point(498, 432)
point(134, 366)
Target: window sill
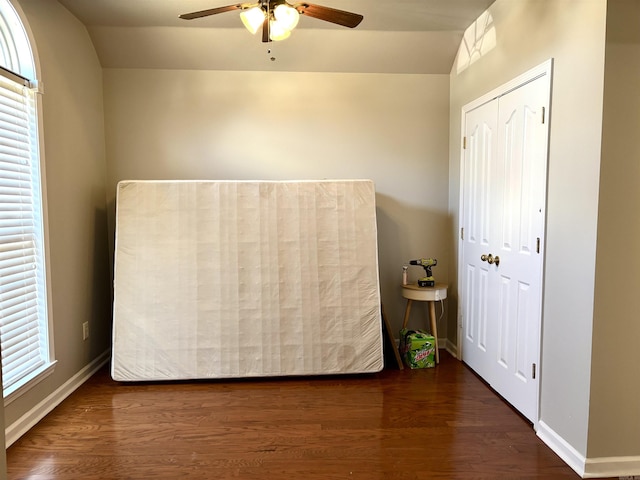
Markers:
point(30, 381)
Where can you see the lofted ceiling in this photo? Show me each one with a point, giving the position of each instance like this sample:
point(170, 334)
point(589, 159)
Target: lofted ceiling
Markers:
point(396, 36)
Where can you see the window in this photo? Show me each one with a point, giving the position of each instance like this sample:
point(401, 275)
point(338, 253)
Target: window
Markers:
point(24, 326)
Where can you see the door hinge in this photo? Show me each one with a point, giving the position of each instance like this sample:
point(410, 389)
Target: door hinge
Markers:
point(538, 245)
point(533, 371)
point(462, 233)
point(543, 114)
point(464, 143)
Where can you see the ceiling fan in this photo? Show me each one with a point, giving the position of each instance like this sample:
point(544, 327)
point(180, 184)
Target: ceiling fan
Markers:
point(278, 17)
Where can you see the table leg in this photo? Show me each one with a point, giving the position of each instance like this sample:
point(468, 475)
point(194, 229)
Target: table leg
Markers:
point(434, 327)
point(407, 312)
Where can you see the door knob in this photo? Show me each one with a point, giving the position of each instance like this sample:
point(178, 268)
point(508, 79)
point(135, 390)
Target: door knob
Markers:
point(490, 259)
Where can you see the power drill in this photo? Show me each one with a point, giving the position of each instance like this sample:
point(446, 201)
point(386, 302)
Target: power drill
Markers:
point(426, 263)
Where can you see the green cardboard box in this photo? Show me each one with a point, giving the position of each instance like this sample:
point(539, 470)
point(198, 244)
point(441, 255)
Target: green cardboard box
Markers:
point(417, 348)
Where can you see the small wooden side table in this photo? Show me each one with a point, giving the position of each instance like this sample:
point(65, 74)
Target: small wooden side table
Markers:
point(425, 294)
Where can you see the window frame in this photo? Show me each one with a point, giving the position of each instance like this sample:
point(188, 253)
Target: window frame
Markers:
point(23, 69)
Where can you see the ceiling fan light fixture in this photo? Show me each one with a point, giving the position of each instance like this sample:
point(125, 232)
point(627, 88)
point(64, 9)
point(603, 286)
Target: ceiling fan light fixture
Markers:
point(286, 16)
point(277, 32)
point(277, 18)
point(253, 18)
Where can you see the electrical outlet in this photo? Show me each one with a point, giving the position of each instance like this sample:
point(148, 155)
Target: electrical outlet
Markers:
point(85, 330)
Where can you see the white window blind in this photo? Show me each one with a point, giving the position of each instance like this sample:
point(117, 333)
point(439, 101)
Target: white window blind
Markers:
point(23, 322)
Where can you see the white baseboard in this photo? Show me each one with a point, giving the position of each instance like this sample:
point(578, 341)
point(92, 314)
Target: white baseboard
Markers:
point(561, 447)
point(621, 467)
point(588, 467)
point(449, 346)
point(21, 426)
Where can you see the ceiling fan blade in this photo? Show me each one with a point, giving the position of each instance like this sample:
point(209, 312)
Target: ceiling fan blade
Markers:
point(339, 17)
point(211, 11)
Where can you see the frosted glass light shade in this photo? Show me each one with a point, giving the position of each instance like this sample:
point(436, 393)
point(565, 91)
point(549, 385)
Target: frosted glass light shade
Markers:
point(277, 32)
point(286, 16)
point(253, 18)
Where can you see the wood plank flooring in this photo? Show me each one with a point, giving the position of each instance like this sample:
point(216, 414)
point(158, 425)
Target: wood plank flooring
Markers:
point(412, 424)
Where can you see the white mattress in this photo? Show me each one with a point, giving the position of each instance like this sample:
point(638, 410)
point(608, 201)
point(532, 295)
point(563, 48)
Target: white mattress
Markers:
point(219, 279)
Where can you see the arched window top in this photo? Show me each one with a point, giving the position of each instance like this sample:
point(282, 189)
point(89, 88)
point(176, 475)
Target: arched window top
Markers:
point(15, 49)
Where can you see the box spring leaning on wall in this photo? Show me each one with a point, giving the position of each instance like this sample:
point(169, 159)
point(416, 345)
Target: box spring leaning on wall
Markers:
point(221, 279)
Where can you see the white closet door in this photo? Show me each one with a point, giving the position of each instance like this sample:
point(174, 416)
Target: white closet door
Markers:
point(503, 213)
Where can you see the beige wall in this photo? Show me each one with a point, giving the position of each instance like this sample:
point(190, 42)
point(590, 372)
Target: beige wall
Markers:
point(571, 32)
point(614, 429)
point(74, 156)
point(181, 124)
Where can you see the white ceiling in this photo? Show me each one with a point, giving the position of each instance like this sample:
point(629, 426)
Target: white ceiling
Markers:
point(396, 36)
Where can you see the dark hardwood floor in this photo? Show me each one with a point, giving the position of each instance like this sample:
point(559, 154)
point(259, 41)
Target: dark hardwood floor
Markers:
point(411, 424)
